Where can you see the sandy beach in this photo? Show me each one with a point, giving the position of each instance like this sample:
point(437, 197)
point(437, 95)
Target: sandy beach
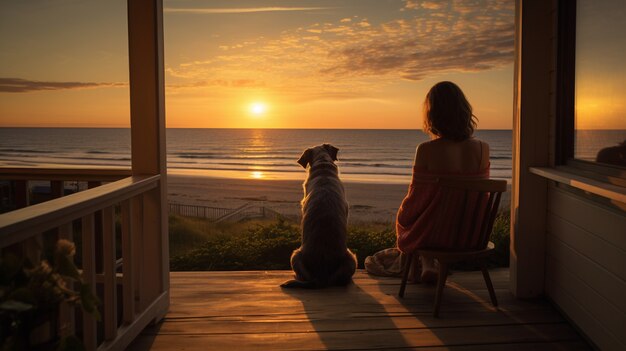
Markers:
point(369, 202)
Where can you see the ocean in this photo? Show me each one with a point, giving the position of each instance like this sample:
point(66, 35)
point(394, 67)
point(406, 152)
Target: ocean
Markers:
point(380, 156)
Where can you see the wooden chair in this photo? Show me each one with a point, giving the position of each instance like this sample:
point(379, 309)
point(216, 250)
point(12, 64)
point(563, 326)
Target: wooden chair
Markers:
point(492, 190)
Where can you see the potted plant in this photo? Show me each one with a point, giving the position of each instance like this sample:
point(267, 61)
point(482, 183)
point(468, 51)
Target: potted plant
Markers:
point(30, 296)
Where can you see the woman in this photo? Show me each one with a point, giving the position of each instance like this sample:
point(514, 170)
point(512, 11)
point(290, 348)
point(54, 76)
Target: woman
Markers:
point(451, 152)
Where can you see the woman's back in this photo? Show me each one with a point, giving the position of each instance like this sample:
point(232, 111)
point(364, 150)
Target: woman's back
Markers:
point(444, 156)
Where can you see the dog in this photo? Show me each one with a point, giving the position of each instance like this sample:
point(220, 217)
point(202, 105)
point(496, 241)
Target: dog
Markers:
point(323, 258)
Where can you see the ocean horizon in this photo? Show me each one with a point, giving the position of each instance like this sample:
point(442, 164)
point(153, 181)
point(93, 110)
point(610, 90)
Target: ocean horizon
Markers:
point(365, 155)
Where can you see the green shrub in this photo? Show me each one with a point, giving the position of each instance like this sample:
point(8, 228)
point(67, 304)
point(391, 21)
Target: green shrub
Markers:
point(186, 233)
point(197, 244)
point(365, 241)
point(501, 239)
point(261, 246)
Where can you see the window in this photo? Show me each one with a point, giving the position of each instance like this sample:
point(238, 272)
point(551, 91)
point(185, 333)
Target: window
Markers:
point(599, 112)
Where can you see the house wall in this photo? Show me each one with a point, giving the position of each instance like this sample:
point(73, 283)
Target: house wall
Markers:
point(566, 243)
point(586, 264)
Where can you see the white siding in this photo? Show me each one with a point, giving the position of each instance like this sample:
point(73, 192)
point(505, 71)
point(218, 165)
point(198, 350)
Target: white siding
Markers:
point(586, 266)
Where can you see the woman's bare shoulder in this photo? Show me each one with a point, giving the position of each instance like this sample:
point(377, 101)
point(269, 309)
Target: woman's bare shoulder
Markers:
point(483, 145)
point(421, 153)
point(484, 157)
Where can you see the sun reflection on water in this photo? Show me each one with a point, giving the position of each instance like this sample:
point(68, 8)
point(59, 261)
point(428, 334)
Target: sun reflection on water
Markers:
point(257, 175)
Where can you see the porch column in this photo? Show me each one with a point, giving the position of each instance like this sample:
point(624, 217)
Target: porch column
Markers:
point(147, 110)
point(532, 132)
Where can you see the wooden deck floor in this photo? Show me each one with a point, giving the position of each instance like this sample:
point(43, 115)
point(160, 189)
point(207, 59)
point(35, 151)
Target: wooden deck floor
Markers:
point(249, 311)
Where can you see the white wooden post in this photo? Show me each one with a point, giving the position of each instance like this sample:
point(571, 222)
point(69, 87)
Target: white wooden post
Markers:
point(147, 108)
point(532, 128)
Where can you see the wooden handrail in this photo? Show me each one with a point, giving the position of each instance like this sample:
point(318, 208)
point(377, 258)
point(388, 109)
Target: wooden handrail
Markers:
point(76, 174)
point(18, 225)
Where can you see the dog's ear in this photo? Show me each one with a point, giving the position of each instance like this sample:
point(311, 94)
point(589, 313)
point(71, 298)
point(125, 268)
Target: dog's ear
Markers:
point(332, 151)
point(305, 159)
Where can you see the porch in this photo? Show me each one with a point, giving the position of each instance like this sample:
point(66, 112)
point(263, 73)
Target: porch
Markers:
point(249, 311)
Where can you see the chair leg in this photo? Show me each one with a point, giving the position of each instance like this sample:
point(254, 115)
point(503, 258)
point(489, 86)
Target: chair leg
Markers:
point(492, 292)
point(405, 274)
point(441, 283)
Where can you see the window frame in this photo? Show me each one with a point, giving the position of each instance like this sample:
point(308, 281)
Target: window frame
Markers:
point(565, 126)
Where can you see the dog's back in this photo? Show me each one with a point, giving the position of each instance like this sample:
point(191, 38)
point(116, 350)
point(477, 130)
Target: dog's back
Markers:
point(323, 259)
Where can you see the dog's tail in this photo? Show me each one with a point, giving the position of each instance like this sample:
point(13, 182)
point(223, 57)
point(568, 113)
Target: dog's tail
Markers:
point(299, 284)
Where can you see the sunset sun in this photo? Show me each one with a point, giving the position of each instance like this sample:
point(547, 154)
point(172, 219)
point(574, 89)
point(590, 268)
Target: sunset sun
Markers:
point(258, 109)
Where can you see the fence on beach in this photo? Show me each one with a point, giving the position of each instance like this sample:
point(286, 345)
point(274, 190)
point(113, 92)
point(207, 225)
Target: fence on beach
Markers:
point(251, 210)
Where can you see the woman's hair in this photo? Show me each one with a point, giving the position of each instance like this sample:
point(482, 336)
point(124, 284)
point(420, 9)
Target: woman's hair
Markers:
point(447, 113)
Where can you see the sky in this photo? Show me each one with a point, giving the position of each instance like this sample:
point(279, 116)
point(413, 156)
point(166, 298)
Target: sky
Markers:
point(600, 70)
point(259, 64)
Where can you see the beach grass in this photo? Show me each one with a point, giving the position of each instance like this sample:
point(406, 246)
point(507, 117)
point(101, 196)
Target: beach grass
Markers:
point(198, 244)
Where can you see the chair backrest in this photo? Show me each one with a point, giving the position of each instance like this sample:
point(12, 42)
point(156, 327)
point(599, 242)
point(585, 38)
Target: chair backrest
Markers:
point(475, 203)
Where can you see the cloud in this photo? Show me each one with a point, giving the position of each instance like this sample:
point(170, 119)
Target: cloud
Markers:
point(201, 11)
point(466, 36)
point(17, 85)
point(361, 55)
point(220, 83)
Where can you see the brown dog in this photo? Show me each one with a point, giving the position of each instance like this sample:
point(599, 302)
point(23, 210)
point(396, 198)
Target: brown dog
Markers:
point(323, 259)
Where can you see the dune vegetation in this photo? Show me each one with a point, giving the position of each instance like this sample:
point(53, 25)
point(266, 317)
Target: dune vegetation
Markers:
point(198, 244)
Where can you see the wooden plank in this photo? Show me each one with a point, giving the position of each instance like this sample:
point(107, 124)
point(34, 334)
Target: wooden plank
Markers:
point(605, 314)
point(370, 339)
point(608, 256)
point(317, 309)
point(321, 322)
point(80, 174)
point(152, 284)
point(590, 274)
point(146, 342)
point(532, 125)
point(108, 270)
point(137, 235)
point(89, 277)
point(128, 279)
point(500, 277)
point(593, 186)
point(578, 312)
point(547, 346)
point(253, 312)
point(18, 225)
point(128, 332)
point(605, 224)
point(67, 320)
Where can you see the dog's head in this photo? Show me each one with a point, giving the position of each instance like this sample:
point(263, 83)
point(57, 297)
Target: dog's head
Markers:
point(313, 153)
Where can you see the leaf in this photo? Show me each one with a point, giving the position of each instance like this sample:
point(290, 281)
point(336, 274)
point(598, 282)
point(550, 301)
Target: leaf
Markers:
point(17, 306)
point(89, 301)
point(66, 267)
point(70, 343)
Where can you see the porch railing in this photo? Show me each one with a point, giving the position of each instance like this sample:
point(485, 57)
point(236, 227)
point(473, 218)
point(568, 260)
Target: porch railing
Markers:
point(108, 224)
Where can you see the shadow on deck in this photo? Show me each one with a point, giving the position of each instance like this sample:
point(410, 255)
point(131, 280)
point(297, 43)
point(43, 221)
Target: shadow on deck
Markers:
point(248, 310)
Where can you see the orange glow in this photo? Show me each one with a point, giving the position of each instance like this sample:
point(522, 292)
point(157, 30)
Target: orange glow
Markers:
point(223, 68)
point(257, 175)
